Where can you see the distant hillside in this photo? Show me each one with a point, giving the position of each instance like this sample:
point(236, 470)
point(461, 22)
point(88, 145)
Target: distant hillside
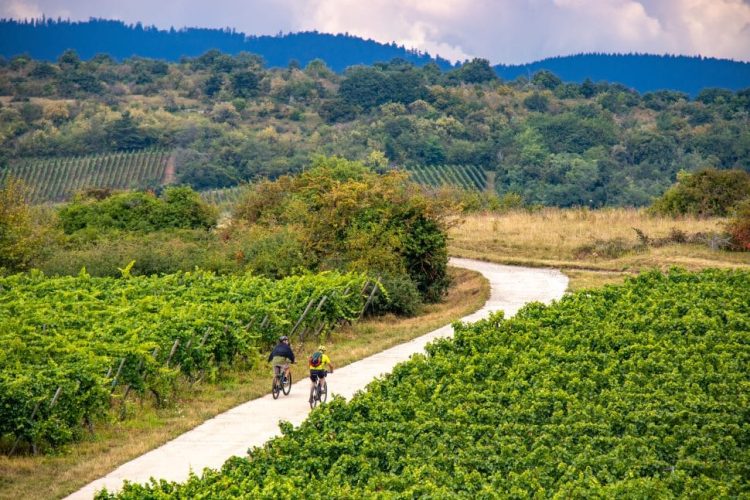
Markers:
point(230, 120)
point(47, 39)
point(642, 72)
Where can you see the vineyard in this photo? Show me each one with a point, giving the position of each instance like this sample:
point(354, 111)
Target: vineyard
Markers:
point(221, 197)
point(635, 391)
point(57, 179)
point(468, 177)
point(74, 346)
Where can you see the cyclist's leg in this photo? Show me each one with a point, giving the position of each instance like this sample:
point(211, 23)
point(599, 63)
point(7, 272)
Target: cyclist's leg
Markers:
point(280, 375)
point(321, 383)
point(313, 381)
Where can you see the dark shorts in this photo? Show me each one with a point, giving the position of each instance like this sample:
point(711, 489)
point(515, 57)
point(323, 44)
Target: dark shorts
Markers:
point(315, 374)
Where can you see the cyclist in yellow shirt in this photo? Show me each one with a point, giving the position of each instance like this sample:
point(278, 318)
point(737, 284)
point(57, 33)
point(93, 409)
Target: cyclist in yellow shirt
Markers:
point(320, 365)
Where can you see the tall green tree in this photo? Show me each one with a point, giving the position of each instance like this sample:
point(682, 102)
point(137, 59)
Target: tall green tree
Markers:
point(22, 234)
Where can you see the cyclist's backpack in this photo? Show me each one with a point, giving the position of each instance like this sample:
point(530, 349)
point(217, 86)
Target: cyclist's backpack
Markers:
point(316, 359)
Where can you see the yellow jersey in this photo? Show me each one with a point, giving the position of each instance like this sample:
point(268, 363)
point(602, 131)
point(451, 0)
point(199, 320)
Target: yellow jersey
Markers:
point(325, 362)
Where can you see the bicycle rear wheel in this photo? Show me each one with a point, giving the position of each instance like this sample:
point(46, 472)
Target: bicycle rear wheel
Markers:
point(313, 396)
point(323, 393)
point(286, 384)
point(276, 387)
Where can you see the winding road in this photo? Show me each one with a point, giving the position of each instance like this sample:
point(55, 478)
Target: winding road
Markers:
point(255, 422)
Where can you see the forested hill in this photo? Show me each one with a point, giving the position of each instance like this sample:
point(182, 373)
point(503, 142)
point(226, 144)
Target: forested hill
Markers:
point(642, 72)
point(47, 39)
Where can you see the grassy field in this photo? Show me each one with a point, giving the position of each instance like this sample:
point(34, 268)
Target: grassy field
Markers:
point(116, 442)
point(592, 247)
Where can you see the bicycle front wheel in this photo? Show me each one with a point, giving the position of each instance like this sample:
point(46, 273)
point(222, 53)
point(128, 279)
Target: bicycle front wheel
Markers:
point(286, 384)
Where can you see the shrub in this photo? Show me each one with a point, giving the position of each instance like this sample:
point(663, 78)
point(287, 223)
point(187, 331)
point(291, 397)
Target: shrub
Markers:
point(536, 102)
point(706, 193)
point(179, 207)
point(348, 217)
point(609, 249)
point(161, 252)
point(275, 252)
point(739, 226)
point(23, 233)
point(402, 297)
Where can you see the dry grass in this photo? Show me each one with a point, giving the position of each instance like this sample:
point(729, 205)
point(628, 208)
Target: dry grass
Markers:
point(555, 238)
point(116, 442)
point(586, 280)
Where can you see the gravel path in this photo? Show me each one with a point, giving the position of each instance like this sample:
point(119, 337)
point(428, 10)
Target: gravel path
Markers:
point(255, 422)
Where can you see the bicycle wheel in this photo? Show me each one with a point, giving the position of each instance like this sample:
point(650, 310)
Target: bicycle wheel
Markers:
point(286, 384)
point(276, 387)
point(314, 396)
point(323, 393)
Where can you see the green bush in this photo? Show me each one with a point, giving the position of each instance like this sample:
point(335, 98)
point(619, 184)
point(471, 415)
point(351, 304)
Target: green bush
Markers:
point(25, 231)
point(342, 215)
point(275, 252)
point(161, 252)
point(706, 193)
point(179, 207)
point(401, 297)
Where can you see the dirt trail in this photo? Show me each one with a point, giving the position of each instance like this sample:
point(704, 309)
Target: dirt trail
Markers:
point(169, 171)
point(255, 422)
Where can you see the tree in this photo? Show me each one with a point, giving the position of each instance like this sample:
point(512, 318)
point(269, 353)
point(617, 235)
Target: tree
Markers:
point(22, 235)
point(69, 60)
point(706, 193)
point(537, 102)
point(213, 84)
point(349, 217)
point(739, 225)
point(476, 71)
point(546, 80)
point(715, 96)
point(124, 134)
point(363, 86)
point(245, 83)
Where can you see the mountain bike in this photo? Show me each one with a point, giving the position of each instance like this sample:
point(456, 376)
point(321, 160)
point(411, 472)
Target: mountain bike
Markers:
point(281, 382)
point(318, 392)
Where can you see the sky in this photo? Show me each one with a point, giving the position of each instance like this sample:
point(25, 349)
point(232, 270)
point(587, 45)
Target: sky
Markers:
point(502, 31)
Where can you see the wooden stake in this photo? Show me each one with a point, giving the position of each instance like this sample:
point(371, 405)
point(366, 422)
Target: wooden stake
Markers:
point(369, 299)
point(301, 318)
point(117, 375)
point(174, 349)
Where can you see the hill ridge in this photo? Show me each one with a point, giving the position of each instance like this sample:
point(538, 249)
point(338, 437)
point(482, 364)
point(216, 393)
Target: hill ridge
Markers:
point(48, 38)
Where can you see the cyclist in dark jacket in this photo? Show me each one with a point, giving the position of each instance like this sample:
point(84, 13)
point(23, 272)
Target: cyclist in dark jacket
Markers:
point(281, 356)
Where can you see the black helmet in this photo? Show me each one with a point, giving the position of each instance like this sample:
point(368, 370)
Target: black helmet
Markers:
point(283, 338)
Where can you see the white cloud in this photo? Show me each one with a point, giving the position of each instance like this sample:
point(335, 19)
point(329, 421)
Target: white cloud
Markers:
point(421, 24)
point(713, 27)
point(18, 9)
point(507, 31)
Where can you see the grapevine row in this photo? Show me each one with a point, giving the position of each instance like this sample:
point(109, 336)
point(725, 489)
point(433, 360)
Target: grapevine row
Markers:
point(635, 391)
point(75, 339)
point(463, 176)
point(57, 179)
point(223, 196)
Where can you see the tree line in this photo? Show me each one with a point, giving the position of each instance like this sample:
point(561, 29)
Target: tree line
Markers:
point(231, 119)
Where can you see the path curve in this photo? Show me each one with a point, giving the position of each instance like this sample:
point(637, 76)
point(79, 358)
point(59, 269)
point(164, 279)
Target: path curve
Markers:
point(255, 422)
